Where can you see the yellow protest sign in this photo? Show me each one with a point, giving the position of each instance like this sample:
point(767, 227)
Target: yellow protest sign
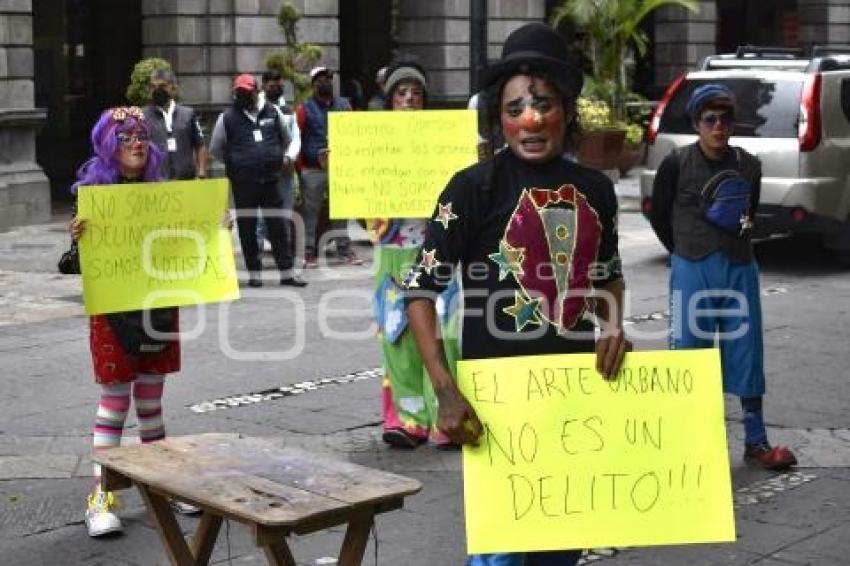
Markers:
point(149, 245)
point(569, 460)
point(395, 164)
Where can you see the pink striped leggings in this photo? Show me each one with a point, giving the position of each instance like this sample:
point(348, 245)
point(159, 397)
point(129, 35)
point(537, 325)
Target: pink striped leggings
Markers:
point(114, 405)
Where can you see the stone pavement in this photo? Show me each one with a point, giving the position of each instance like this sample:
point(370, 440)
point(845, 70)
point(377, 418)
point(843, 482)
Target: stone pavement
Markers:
point(327, 401)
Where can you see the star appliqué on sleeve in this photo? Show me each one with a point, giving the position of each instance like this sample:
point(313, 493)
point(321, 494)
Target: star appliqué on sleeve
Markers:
point(445, 215)
point(429, 261)
point(412, 280)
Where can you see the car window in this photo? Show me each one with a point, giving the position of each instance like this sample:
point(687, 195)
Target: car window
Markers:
point(765, 109)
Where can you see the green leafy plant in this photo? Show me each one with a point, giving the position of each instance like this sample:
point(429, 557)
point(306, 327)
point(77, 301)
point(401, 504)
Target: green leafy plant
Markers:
point(295, 60)
point(612, 32)
point(634, 134)
point(138, 91)
point(594, 114)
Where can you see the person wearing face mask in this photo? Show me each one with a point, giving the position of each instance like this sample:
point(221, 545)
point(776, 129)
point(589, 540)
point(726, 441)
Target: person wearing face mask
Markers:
point(175, 129)
point(273, 93)
point(312, 118)
point(252, 141)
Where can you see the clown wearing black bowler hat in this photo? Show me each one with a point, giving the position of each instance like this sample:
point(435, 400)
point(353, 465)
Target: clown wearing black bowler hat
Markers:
point(532, 233)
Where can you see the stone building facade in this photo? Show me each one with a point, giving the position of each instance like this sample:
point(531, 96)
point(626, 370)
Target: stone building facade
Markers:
point(61, 61)
point(24, 188)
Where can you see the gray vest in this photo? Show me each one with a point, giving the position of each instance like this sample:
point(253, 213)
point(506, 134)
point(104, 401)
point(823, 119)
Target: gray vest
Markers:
point(693, 237)
point(180, 164)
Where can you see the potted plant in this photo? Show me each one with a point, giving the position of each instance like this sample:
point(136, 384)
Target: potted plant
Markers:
point(602, 137)
point(612, 33)
point(633, 148)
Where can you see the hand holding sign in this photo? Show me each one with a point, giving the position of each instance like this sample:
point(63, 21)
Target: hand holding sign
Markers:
point(457, 418)
point(76, 227)
point(611, 350)
point(323, 157)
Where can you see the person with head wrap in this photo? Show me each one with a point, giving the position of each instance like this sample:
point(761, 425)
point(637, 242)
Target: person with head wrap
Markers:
point(535, 236)
point(127, 363)
point(409, 408)
point(709, 260)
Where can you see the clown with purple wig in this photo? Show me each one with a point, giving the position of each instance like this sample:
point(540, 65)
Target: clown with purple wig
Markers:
point(123, 153)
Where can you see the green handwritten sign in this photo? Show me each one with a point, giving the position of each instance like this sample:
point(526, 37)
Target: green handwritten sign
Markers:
point(149, 245)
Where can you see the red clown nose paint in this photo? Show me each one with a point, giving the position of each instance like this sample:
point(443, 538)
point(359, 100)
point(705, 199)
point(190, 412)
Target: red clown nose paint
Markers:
point(531, 120)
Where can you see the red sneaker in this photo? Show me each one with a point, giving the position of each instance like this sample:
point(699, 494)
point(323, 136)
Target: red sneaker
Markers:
point(770, 457)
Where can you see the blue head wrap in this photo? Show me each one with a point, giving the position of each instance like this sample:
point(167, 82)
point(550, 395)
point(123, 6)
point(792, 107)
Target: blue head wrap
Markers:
point(706, 93)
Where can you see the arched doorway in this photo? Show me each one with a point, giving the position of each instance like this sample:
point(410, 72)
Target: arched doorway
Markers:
point(84, 52)
point(365, 45)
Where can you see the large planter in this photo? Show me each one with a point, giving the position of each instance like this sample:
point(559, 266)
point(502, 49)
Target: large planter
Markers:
point(600, 149)
point(631, 156)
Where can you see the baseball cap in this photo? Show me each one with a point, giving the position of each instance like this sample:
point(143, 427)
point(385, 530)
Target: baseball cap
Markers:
point(316, 71)
point(245, 81)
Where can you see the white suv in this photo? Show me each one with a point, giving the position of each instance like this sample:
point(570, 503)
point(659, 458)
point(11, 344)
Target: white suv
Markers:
point(793, 112)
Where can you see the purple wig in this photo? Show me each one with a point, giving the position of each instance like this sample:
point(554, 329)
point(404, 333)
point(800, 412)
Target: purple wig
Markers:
point(103, 168)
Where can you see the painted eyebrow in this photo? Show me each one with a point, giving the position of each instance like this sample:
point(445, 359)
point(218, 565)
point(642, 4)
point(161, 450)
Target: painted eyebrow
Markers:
point(534, 98)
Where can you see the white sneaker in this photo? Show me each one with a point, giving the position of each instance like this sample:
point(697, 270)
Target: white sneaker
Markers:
point(100, 517)
point(184, 508)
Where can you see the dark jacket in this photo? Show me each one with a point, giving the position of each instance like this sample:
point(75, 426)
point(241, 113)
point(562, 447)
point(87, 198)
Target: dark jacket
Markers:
point(676, 215)
point(188, 136)
point(247, 160)
point(312, 119)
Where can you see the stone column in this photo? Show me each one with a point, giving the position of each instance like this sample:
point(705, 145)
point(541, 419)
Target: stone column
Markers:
point(208, 42)
point(824, 22)
point(436, 35)
point(682, 39)
point(24, 188)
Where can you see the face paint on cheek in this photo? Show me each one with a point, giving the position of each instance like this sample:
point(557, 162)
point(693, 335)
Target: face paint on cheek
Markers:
point(554, 124)
point(511, 126)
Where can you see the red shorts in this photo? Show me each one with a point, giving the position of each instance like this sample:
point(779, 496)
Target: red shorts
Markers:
point(113, 365)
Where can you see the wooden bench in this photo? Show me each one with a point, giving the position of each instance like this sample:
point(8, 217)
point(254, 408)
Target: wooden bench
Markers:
point(275, 491)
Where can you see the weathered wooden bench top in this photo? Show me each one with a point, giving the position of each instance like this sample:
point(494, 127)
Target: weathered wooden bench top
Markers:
point(275, 490)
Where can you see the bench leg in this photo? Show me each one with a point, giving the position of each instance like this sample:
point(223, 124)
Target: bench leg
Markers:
point(278, 554)
point(167, 527)
point(356, 537)
point(204, 538)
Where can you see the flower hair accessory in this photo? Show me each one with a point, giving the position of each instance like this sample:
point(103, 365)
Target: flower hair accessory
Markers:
point(120, 113)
